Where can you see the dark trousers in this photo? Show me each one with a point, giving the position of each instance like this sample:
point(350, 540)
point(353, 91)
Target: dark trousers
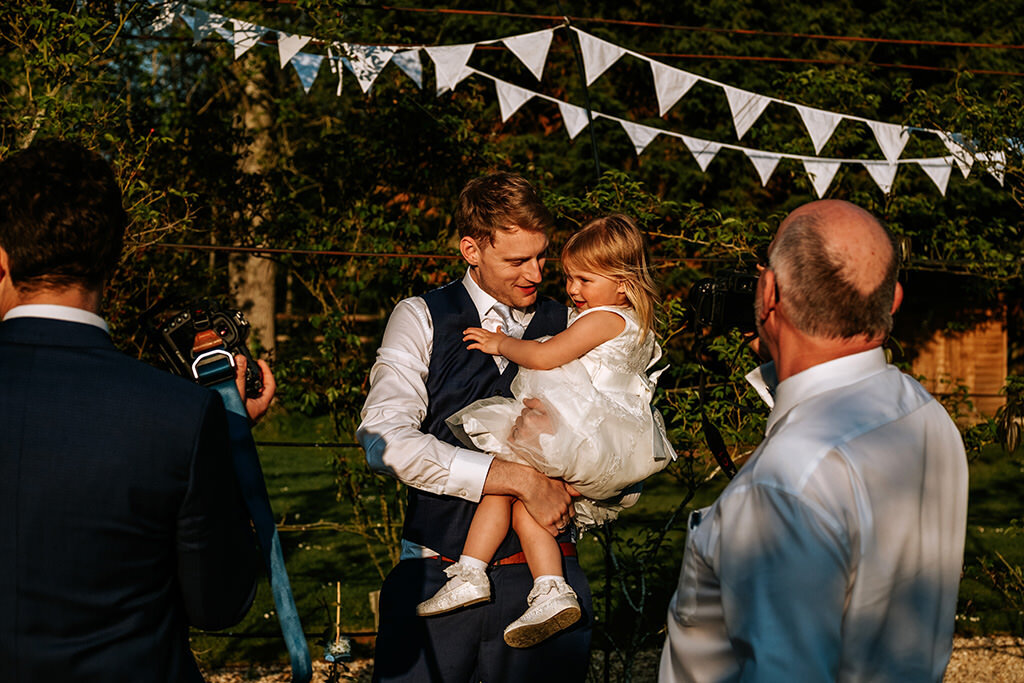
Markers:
point(466, 646)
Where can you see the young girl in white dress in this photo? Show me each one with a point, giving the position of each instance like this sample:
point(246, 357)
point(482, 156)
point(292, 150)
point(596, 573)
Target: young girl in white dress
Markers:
point(590, 388)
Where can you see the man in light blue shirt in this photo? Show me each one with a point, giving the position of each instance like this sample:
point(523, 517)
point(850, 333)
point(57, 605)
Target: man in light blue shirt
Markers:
point(835, 553)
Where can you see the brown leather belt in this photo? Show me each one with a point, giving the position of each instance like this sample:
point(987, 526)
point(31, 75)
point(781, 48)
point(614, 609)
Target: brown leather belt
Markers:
point(567, 549)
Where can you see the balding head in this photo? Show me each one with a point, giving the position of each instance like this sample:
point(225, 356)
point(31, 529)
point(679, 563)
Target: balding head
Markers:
point(836, 266)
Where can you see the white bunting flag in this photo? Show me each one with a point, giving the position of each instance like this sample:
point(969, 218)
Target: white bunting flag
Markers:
point(994, 163)
point(891, 138)
point(165, 17)
point(245, 36)
point(367, 61)
point(449, 62)
point(962, 155)
point(510, 98)
point(307, 66)
point(598, 55)
point(409, 62)
point(882, 173)
point(531, 49)
point(745, 106)
point(670, 85)
point(821, 172)
point(203, 23)
point(640, 136)
point(703, 151)
point(335, 63)
point(820, 124)
point(764, 162)
point(574, 118)
point(288, 45)
point(938, 170)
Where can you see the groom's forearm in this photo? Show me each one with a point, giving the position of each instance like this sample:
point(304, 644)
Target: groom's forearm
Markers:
point(547, 500)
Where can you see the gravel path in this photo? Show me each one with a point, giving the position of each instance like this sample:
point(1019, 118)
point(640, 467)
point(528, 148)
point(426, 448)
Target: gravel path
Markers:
point(992, 659)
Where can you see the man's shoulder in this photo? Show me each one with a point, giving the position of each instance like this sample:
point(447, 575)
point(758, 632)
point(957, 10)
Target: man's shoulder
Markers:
point(832, 420)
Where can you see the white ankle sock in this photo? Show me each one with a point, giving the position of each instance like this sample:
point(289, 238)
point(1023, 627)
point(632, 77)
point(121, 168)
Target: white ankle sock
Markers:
point(549, 577)
point(472, 562)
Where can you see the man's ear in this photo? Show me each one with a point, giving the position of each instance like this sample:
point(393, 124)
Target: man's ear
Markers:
point(767, 292)
point(897, 298)
point(470, 250)
point(5, 261)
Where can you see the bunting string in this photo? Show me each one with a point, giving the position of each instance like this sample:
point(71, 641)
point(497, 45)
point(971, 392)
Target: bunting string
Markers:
point(671, 84)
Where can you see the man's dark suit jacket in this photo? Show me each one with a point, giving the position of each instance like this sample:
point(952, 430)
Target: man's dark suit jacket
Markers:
point(121, 521)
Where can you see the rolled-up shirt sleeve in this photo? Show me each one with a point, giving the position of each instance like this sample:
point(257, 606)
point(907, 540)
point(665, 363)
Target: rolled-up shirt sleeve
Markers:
point(396, 406)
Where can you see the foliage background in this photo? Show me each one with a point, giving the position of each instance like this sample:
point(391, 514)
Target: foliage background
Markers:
point(216, 152)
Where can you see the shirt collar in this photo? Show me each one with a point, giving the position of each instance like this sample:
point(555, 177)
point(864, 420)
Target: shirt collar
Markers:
point(484, 301)
point(824, 377)
point(55, 312)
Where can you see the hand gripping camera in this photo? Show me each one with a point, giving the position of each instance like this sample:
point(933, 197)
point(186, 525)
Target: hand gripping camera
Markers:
point(189, 333)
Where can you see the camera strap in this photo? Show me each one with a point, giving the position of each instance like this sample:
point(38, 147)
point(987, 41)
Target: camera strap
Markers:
point(712, 436)
point(215, 368)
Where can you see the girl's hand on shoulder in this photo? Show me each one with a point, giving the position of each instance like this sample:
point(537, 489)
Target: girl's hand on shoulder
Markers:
point(482, 340)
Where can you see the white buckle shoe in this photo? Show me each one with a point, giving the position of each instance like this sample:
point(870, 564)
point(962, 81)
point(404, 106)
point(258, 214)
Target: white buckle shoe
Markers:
point(466, 586)
point(553, 607)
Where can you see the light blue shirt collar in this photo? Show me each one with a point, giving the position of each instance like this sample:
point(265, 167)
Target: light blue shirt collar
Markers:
point(55, 312)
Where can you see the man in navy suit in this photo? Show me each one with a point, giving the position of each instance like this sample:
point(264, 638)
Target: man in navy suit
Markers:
point(121, 521)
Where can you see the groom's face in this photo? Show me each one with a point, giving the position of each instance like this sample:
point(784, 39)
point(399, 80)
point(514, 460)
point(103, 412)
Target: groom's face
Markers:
point(509, 268)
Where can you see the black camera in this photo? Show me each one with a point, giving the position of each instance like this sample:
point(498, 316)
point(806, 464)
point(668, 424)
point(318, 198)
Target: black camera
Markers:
point(725, 302)
point(173, 325)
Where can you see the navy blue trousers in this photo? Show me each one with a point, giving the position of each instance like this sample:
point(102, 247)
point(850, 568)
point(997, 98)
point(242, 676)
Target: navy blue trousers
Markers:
point(466, 646)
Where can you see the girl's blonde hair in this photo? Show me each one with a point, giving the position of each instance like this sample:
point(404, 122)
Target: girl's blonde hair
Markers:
point(613, 246)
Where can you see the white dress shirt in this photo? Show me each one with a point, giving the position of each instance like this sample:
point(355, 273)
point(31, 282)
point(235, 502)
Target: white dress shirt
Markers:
point(397, 403)
point(55, 312)
point(835, 553)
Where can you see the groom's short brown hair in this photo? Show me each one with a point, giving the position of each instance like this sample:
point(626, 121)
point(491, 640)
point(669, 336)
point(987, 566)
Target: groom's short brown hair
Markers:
point(500, 201)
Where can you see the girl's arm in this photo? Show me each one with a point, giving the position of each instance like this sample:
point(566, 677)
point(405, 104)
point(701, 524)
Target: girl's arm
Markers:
point(583, 335)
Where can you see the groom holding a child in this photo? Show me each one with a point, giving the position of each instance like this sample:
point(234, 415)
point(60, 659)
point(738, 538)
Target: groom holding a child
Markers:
point(422, 375)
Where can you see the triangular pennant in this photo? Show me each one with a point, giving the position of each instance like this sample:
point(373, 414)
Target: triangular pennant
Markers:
point(994, 163)
point(336, 66)
point(670, 85)
point(245, 36)
point(891, 138)
point(745, 106)
point(954, 142)
point(168, 11)
point(703, 151)
point(575, 118)
point(409, 62)
point(598, 54)
point(531, 49)
point(820, 124)
point(307, 66)
point(938, 170)
point(764, 162)
point(640, 136)
point(288, 45)
point(510, 98)
point(203, 23)
point(449, 61)
point(367, 61)
point(821, 173)
point(882, 173)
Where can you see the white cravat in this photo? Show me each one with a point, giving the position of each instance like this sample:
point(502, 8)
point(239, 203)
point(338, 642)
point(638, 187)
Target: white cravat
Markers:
point(509, 325)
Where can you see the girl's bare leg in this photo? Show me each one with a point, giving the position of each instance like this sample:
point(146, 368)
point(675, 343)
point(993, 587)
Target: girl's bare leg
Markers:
point(489, 527)
point(543, 555)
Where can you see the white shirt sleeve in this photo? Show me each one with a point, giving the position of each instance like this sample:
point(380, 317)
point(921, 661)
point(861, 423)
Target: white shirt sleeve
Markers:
point(396, 406)
point(784, 567)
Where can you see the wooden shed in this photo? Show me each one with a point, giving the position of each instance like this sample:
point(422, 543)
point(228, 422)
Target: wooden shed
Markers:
point(975, 357)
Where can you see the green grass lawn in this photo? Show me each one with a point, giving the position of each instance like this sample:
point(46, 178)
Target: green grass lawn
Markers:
point(302, 490)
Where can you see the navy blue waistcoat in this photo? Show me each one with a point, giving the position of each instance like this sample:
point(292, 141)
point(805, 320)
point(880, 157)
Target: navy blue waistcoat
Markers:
point(456, 378)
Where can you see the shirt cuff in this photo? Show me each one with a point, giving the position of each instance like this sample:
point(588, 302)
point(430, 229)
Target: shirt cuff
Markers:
point(467, 473)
